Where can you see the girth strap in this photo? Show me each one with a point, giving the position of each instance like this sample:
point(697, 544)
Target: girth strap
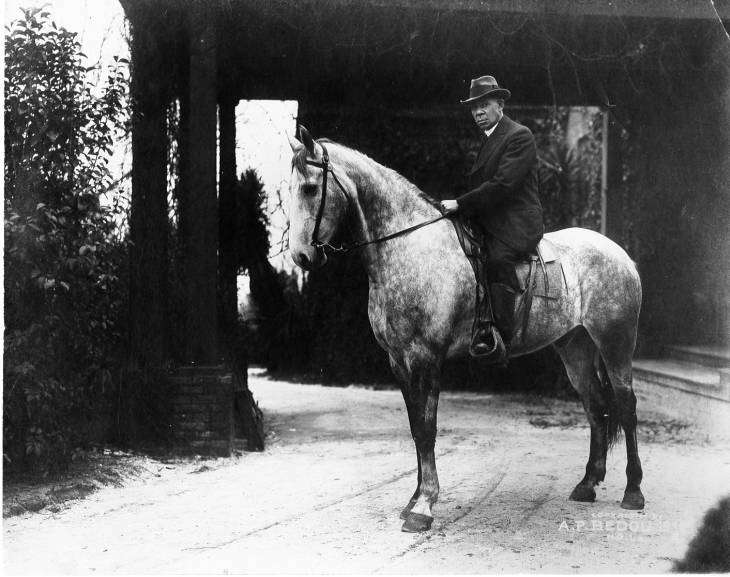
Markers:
point(526, 304)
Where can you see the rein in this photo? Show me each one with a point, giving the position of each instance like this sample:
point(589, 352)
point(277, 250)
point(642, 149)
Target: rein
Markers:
point(344, 248)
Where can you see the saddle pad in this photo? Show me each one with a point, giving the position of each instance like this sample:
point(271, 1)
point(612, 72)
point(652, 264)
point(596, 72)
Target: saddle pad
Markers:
point(548, 250)
point(555, 285)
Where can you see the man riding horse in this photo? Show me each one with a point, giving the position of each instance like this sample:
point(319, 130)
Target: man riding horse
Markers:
point(502, 208)
point(420, 288)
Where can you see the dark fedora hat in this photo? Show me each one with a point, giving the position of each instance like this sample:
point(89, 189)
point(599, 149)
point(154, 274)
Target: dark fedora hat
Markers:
point(485, 86)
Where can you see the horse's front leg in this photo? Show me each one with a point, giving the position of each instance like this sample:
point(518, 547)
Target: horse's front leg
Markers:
point(420, 386)
point(412, 501)
point(403, 378)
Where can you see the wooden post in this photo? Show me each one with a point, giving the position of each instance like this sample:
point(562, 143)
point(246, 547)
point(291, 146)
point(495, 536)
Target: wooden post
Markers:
point(178, 340)
point(148, 219)
point(201, 331)
point(228, 211)
point(612, 189)
point(604, 167)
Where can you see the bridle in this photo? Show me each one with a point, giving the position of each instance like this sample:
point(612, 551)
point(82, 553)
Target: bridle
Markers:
point(348, 247)
point(326, 169)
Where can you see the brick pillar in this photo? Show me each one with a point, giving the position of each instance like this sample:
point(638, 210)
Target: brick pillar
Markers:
point(202, 410)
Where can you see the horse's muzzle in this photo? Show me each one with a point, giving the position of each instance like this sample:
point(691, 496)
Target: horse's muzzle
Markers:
point(309, 261)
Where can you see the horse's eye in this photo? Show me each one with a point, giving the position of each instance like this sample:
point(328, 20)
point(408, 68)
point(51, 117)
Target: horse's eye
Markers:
point(309, 189)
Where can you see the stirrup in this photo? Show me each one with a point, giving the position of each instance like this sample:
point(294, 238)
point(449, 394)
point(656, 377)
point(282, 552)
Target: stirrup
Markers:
point(496, 354)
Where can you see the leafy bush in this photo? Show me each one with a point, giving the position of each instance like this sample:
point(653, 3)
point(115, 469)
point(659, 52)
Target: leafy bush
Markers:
point(570, 176)
point(64, 292)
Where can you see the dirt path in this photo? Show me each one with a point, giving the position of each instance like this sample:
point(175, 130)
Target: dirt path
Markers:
point(326, 494)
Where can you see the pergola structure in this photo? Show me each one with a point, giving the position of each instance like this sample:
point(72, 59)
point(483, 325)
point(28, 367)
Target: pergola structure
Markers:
point(663, 62)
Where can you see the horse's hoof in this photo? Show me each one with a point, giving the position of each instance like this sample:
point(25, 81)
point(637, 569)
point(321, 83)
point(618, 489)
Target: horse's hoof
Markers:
point(416, 523)
point(583, 494)
point(633, 500)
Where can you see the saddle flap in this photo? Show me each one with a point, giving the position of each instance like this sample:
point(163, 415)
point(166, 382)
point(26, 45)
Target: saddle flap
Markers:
point(548, 284)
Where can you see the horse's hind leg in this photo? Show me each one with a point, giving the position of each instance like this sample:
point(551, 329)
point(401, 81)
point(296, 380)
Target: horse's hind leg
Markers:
point(617, 347)
point(620, 376)
point(579, 354)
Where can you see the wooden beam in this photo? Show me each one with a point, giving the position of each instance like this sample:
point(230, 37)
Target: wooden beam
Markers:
point(649, 9)
point(148, 219)
point(201, 331)
point(645, 9)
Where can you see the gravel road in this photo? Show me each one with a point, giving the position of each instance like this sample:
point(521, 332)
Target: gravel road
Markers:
point(340, 465)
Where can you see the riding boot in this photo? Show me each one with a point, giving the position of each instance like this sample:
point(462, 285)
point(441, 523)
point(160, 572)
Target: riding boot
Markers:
point(486, 342)
point(504, 298)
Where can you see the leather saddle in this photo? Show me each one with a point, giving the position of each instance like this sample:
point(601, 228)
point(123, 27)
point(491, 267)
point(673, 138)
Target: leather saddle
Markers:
point(540, 275)
point(542, 272)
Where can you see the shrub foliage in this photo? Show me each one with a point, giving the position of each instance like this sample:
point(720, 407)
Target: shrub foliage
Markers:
point(64, 293)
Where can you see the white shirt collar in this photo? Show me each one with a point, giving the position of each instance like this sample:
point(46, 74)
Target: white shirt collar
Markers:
point(489, 132)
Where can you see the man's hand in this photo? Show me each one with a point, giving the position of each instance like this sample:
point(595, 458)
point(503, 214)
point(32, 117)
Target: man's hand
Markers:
point(449, 206)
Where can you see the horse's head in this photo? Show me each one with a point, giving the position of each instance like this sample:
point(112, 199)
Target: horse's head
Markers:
point(308, 175)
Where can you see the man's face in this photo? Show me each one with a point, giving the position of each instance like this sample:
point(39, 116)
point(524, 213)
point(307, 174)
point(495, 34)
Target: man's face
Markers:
point(486, 112)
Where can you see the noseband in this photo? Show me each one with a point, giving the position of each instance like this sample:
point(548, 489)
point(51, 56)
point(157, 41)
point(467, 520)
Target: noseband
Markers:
point(345, 247)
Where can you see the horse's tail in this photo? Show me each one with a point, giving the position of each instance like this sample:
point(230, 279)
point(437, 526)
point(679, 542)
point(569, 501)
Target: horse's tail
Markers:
point(609, 397)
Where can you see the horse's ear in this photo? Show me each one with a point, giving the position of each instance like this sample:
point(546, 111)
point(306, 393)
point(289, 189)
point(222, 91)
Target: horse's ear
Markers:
point(307, 139)
point(296, 146)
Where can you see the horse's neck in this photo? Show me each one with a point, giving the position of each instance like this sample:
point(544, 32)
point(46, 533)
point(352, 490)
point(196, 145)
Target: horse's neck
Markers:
point(385, 203)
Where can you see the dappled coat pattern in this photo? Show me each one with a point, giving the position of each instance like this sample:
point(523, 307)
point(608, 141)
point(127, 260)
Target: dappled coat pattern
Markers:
point(421, 307)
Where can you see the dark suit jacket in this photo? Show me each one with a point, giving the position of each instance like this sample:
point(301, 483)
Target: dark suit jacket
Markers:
point(504, 196)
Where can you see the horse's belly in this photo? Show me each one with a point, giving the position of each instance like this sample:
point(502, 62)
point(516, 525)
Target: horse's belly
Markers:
point(433, 306)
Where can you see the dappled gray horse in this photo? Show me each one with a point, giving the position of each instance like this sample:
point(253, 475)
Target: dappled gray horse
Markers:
point(422, 295)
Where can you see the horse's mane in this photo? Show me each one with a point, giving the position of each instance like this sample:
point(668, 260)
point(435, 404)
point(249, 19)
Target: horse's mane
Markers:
point(299, 161)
